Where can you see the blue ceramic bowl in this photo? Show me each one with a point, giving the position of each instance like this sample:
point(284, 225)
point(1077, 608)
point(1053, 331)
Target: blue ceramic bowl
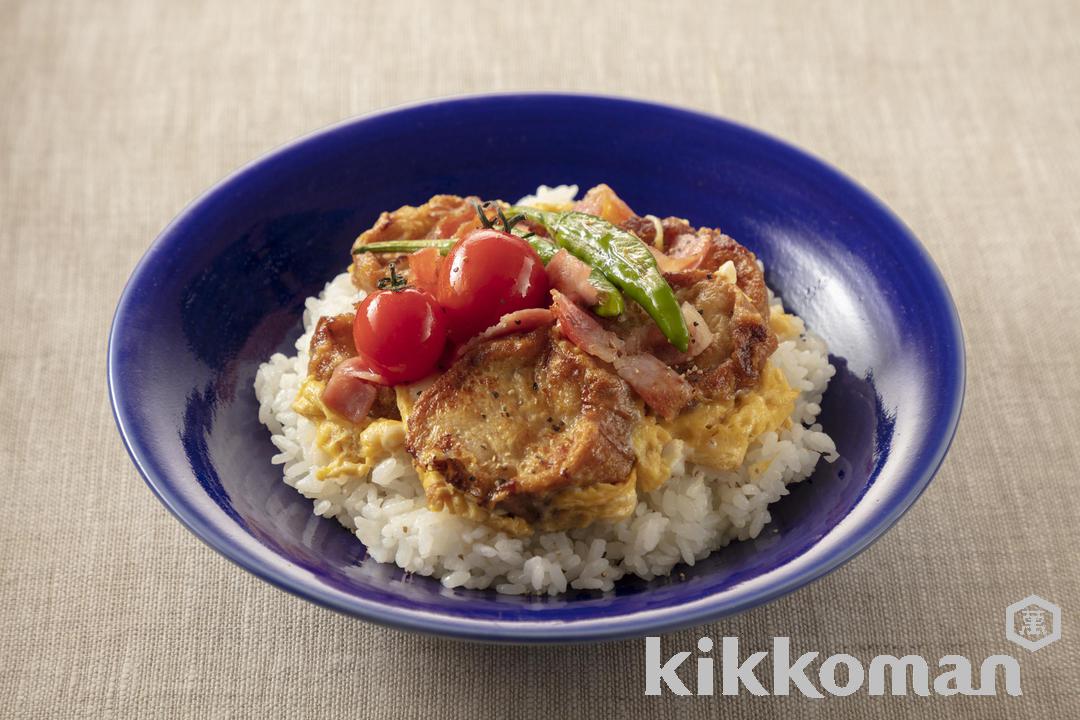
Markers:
point(223, 287)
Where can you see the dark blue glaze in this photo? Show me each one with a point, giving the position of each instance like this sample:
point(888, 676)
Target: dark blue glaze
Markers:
point(223, 287)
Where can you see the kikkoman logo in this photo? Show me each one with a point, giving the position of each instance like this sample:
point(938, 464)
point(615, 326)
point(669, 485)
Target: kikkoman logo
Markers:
point(838, 675)
point(1032, 623)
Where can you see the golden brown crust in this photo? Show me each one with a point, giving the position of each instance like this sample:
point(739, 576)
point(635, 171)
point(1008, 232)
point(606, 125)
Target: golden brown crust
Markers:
point(742, 340)
point(522, 418)
point(420, 221)
point(443, 216)
point(737, 315)
point(332, 342)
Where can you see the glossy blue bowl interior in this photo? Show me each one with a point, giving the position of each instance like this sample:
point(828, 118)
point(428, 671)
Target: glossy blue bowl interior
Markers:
point(223, 287)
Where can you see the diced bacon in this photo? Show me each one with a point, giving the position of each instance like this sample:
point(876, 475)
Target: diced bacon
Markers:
point(352, 389)
point(700, 334)
point(672, 264)
point(583, 330)
point(424, 266)
point(570, 276)
point(662, 389)
point(520, 321)
point(603, 202)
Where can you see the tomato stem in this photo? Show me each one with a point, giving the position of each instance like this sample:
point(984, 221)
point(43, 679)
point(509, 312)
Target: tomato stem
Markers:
point(488, 223)
point(394, 282)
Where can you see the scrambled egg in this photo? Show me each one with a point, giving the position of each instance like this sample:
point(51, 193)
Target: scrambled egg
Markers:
point(353, 450)
point(718, 434)
point(650, 441)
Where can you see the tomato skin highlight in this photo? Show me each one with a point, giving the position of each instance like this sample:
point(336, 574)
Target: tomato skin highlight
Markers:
point(488, 274)
point(401, 333)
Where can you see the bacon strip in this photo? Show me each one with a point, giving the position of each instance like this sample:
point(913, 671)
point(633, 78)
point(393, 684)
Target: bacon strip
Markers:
point(520, 321)
point(424, 267)
point(570, 276)
point(351, 389)
point(662, 389)
point(458, 222)
point(603, 202)
point(584, 331)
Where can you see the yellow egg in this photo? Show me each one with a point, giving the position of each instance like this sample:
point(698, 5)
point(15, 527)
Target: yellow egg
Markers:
point(718, 434)
point(785, 325)
point(577, 507)
point(353, 449)
point(442, 496)
point(649, 440)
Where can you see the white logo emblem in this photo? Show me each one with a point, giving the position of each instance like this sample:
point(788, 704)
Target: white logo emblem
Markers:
point(1033, 623)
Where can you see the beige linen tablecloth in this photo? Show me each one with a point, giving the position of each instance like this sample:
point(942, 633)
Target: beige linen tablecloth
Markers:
point(962, 116)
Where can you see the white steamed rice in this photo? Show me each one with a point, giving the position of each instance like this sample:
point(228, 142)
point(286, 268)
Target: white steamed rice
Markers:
point(696, 512)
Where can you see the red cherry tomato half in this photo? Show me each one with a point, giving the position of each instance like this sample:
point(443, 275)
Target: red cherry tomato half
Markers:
point(401, 333)
point(487, 274)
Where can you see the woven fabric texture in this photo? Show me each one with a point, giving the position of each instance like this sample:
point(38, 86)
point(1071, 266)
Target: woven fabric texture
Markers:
point(962, 116)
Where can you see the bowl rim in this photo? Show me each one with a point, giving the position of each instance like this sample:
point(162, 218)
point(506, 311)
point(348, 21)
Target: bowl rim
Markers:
point(540, 631)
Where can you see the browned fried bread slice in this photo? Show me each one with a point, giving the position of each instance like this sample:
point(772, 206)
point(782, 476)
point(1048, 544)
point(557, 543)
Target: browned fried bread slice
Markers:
point(519, 418)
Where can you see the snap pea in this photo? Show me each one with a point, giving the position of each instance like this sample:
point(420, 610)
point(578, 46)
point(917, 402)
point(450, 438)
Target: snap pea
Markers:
point(623, 258)
point(609, 301)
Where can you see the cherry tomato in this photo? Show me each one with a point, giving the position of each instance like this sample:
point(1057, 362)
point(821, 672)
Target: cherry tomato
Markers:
point(401, 333)
point(487, 274)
